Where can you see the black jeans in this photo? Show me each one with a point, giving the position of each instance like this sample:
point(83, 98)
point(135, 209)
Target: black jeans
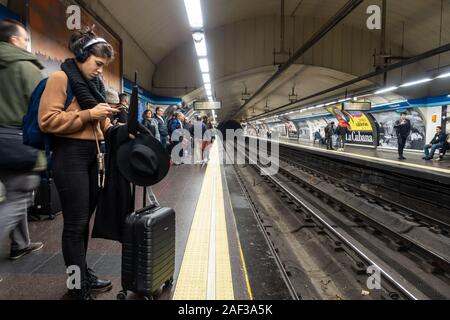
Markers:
point(401, 144)
point(75, 173)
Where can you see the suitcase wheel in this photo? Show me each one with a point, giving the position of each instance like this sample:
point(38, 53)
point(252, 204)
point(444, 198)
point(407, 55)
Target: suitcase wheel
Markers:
point(122, 295)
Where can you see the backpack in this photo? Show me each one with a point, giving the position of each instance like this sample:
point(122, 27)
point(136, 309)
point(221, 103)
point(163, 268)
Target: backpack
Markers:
point(32, 134)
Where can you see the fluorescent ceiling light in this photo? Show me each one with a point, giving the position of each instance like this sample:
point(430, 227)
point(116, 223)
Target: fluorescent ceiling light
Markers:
point(331, 103)
point(206, 78)
point(345, 100)
point(320, 106)
point(445, 75)
point(204, 65)
point(209, 93)
point(410, 84)
point(194, 12)
point(386, 90)
point(208, 86)
point(200, 44)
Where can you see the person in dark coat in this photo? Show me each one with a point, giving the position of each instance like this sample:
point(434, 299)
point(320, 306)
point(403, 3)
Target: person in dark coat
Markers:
point(162, 127)
point(329, 133)
point(403, 129)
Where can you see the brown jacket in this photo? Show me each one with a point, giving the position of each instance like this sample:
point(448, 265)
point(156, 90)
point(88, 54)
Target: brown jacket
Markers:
point(72, 123)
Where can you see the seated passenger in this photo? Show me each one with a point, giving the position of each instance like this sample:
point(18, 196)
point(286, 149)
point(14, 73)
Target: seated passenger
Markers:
point(438, 142)
point(317, 136)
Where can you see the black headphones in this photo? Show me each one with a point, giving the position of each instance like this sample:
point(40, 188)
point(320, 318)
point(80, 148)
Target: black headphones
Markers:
point(83, 53)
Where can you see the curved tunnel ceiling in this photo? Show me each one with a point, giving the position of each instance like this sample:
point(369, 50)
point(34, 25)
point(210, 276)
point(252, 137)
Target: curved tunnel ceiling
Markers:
point(165, 29)
point(160, 26)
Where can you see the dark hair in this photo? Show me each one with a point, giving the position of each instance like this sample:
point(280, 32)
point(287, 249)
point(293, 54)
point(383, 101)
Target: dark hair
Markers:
point(80, 38)
point(123, 96)
point(403, 114)
point(439, 127)
point(158, 108)
point(9, 28)
point(144, 115)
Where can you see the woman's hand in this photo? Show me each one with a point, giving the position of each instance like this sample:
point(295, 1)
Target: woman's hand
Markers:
point(102, 111)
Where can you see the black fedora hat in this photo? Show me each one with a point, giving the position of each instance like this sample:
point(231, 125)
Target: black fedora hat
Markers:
point(143, 161)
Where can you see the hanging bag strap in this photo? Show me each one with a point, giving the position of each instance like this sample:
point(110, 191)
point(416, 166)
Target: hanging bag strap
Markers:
point(100, 160)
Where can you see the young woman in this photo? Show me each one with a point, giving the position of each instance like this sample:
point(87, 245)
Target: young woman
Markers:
point(150, 123)
point(77, 131)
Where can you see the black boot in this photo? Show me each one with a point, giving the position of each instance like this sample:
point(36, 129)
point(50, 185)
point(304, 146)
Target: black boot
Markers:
point(97, 285)
point(80, 294)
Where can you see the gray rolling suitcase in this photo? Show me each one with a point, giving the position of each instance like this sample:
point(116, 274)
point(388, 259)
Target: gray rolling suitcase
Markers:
point(148, 252)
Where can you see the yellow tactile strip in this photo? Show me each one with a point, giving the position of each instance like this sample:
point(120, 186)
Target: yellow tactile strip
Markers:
point(192, 282)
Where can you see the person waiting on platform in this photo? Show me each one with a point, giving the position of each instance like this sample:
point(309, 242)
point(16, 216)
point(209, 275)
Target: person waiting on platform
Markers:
point(342, 131)
point(112, 98)
point(162, 127)
point(438, 142)
point(77, 132)
point(197, 132)
point(317, 137)
point(122, 116)
point(403, 129)
point(176, 137)
point(329, 133)
point(150, 123)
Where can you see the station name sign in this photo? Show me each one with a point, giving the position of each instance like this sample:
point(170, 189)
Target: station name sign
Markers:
point(357, 106)
point(201, 106)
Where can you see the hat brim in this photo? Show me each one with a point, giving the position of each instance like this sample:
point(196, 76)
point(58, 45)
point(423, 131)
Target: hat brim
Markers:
point(127, 171)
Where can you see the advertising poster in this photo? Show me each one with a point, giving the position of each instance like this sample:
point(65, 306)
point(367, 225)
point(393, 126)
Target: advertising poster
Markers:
point(278, 127)
point(50, 37)
point(363, 129)
point(388, 138)
point(292, 130)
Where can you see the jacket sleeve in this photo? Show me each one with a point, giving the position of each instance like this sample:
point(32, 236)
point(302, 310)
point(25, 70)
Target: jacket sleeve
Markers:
point(154, 123)
point(31, 76)
point(52, 115)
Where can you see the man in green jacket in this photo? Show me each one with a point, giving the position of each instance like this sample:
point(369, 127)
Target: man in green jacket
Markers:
point(20, 72)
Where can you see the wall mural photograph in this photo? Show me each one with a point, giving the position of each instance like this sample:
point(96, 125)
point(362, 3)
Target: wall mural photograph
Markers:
point(388, 137)
point(50, 36)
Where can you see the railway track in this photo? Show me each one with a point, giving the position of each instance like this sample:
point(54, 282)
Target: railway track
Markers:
point(409, 268)
point(434, 222)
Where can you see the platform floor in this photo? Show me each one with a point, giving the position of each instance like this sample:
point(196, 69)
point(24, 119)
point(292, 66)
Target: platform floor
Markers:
point(209, 258)
point(40, 275)
point(412, 157)
point(383, 159)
